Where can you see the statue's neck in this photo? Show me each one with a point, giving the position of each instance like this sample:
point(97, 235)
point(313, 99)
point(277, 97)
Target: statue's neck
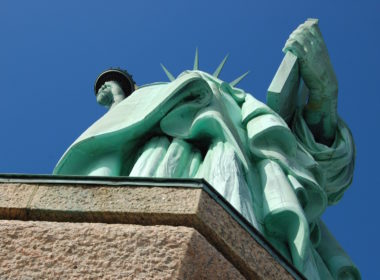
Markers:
point(116, 100)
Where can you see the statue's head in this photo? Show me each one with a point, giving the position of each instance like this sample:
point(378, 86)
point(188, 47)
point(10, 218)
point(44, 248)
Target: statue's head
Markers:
point(112, 86)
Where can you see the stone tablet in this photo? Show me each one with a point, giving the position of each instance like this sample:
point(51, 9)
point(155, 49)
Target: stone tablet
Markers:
point(282, 92)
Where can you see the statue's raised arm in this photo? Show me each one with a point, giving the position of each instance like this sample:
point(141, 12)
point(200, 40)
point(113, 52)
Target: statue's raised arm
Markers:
point(320, 113)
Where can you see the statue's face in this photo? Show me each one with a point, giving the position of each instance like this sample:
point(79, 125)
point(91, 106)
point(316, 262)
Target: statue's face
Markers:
point(110, 94)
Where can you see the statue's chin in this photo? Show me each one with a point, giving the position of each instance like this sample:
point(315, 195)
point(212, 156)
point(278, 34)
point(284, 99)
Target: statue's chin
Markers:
point(104, 98)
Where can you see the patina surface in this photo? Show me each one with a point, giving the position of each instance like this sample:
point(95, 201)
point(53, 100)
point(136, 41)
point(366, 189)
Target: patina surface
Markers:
point(279, 164)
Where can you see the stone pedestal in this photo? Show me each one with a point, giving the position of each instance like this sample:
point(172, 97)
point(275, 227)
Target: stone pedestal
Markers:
point(123, 228)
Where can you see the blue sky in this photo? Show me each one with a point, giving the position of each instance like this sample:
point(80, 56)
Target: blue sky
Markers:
point(51, 54)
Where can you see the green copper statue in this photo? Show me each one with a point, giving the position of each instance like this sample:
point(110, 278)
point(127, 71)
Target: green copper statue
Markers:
point(279, 164)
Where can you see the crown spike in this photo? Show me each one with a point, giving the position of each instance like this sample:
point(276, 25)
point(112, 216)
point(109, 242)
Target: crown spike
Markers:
point(220, 67)
point(238, 80)
point(196, 60)
point(170, 76)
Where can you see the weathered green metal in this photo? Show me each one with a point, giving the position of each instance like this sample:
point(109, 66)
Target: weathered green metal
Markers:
point(279, 166)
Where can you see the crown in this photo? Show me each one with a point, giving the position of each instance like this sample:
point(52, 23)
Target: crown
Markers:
point(215, 74)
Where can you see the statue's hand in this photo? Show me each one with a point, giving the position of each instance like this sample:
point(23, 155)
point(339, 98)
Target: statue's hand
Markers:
point(307, 43)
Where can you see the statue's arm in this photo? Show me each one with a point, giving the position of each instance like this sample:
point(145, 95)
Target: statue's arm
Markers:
point(320, 113)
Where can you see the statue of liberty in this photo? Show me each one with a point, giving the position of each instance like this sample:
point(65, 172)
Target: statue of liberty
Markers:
point(279, 164)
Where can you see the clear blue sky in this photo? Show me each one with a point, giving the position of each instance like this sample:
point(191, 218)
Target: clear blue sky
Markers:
point(51, 53)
